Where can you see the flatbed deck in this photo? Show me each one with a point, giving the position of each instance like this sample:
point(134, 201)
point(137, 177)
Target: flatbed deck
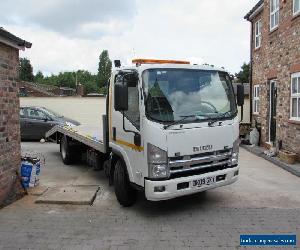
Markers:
point(91, 136)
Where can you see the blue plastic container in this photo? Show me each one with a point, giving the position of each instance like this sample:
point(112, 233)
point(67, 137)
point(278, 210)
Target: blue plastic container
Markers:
point(30, 171)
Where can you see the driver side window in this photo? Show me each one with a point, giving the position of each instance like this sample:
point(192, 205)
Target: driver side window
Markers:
point(36, 114)
point(133, 112)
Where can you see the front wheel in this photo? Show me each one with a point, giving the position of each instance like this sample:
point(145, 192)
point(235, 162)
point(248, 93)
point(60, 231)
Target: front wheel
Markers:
point(126, 195)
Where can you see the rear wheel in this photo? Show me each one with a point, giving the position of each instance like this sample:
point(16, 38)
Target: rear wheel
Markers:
point(66, 151)
point(126, 195)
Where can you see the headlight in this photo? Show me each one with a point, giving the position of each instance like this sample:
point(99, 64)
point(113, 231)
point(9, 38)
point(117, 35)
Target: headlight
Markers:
point(235, 152)
point(157, 162)
point(70, 124)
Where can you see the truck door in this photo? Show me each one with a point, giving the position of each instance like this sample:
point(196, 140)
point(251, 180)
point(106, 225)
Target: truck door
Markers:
point(123, 132)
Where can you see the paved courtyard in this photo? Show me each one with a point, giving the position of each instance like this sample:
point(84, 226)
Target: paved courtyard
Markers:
point(265, 200)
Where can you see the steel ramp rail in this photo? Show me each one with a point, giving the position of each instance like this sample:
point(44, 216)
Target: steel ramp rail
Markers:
point(81, 133)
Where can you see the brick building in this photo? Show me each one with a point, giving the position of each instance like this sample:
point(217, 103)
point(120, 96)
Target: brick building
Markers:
point(9, 110)
point(275, 72)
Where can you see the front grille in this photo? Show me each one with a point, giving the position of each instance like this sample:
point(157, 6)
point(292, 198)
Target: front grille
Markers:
point(224, 151)
point(199, 164)
point(199, 171)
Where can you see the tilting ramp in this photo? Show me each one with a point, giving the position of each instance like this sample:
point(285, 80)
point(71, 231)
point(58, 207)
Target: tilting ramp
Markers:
point(91, 136)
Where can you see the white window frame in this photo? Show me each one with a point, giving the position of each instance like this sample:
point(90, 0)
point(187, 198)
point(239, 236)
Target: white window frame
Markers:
point(295, 96)
point(273, 13)
point(257, 30)
point(297, 11)
point(256, 92)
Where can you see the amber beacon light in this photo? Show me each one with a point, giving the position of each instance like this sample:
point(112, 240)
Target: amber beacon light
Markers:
point(156, 61)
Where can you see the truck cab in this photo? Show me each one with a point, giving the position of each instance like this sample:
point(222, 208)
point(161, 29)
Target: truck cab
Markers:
point(172, 129)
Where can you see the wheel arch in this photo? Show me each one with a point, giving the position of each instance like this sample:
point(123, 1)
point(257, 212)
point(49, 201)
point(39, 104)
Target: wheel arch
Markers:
point(115, 157)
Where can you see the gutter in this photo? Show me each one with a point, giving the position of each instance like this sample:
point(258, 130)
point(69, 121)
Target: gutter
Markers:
point(12, 40)
point(11, 44)
point(256, 12)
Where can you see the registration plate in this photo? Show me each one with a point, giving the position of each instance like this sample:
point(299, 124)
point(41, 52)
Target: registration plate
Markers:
point(204, 181)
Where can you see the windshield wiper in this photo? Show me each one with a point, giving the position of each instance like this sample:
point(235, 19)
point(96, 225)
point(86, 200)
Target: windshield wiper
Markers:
point(216, 119)
point(224, 114)
point(181, 120)
point(211, 120)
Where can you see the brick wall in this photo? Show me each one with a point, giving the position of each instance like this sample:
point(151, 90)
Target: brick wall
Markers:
point(277, 58)
point(9, 119)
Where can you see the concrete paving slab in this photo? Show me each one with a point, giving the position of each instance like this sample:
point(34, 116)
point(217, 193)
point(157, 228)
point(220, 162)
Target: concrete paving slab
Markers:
point(74, 195)
point(88, 178)
point(39, 190)
point(259, 151)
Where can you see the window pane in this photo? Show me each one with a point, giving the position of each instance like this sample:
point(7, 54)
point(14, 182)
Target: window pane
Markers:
point(296, 5)
point(294, 85)
point(298, 107)
point(272, 21)
point(22, 113)
point(294, 107)
point(260, 25)
point(36, 114)
point(276, 18)
point(272, 6)
point(299, 85)
point(132, 113)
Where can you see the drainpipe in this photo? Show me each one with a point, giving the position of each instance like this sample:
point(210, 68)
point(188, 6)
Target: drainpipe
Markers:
point(251, 64)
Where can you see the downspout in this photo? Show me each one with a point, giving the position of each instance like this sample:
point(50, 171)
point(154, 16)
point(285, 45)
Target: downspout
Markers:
point(251, 65)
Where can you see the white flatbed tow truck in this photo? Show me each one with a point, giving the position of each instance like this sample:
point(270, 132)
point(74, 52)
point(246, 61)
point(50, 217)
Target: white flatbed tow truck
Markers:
point(170, 129)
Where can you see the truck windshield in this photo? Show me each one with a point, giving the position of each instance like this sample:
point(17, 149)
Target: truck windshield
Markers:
point(173, 94)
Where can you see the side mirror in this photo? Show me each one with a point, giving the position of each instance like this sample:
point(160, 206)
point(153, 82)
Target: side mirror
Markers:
point(121, 97)
point(240, 95)
point(117, 63)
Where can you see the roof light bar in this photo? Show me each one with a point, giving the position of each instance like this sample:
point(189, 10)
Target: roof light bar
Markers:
point(155, 61)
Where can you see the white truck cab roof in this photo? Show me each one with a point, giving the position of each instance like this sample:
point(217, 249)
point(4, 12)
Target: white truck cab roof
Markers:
point(143, 64)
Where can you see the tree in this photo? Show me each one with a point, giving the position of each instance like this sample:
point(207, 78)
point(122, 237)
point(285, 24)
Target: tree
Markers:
point(67, 79)
point(104, 69)
point(91, 87)
point(244, 75)
point(39, 77)
point(25, 69)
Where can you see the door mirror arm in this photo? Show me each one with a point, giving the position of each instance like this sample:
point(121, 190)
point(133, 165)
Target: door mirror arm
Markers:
point(137, 136)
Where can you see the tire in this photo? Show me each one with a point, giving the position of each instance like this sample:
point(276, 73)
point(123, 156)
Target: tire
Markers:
point(126, 195)
point(66, 151)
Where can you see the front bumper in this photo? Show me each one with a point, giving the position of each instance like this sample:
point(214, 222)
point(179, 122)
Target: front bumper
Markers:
point(171, 186)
